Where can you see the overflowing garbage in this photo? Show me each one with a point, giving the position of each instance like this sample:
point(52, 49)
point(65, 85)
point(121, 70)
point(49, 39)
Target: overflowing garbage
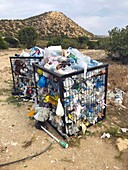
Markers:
point(69, 89)
point(22, 72)
point(33, 52)
point(67, 61)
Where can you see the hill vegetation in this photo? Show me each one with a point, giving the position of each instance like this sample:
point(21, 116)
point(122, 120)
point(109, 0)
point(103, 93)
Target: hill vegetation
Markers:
point(54, 28)
point(48, 24)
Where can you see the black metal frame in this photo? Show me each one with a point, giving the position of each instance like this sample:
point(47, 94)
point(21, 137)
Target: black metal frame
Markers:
point(18, 57)
point(60, 78)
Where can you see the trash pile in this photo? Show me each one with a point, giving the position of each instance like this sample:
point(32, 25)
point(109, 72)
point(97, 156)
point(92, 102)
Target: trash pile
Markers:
point(22, 73)
point(67, 61)
point(68, 88)
point(71, 90)
point(117, 96)
point(34, 52)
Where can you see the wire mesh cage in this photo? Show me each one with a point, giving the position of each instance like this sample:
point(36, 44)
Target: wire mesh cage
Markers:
point(23, 77)
point(72, 102)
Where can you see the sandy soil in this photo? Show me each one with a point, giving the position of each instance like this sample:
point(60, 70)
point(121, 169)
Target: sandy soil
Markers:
point(20, 138)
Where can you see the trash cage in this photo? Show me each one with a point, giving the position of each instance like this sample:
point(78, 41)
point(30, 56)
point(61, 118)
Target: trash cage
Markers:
point(71, 102)
point(23, 77)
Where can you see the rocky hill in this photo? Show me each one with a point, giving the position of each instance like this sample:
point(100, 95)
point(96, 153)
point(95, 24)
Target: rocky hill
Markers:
point(46, 24)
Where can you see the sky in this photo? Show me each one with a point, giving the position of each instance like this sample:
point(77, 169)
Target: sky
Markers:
point(96, 16)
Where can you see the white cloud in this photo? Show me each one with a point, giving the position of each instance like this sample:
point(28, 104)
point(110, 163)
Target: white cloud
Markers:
point(93, 24)
point(101, 25)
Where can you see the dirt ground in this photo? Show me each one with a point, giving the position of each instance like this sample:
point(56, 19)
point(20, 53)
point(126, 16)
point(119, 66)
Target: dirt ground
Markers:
point(19, 138)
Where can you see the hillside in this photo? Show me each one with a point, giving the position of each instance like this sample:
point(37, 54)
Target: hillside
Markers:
point(47, 24)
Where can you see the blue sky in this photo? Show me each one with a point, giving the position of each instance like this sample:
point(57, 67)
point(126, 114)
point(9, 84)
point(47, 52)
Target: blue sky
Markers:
point(96, 16)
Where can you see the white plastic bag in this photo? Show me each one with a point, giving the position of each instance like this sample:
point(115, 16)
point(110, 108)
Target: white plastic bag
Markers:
point(42, 114)
point(60, 109)
point(24, 54)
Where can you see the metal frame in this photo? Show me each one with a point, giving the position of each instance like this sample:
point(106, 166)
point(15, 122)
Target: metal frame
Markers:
point(18, 57)
point(60, 78)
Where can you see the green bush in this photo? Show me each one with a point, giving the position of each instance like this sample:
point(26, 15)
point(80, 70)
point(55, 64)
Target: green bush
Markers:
point(54, 41)
point(28, 36)
point(13, 42)
point(3, 44)
point(93, 45)
point(117, 44)
point(68, 42)
point(80, 42)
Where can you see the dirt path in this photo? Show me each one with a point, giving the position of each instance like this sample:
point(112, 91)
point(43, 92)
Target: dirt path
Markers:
point(19, 137)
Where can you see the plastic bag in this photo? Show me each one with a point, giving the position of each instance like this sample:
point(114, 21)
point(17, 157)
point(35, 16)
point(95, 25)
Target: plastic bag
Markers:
point(24, 54)
point(59, 110)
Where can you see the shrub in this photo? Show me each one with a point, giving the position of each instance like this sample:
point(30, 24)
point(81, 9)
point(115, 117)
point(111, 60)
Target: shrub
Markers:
point(93, 45)
point(65, 42)
point(28, 36)
point(117, 44)
point(13, 42)
point(3, 44)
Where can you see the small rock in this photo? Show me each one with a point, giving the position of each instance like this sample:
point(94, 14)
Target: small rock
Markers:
point(25, 166)
point(115, 167)
point(14, 143)
point(122, 144)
